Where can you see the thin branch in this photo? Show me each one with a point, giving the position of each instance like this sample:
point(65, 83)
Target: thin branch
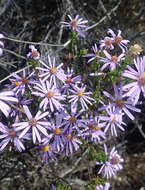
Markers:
point(14, 53)
point(35, 43)
point(15, 72)
point(105, 17)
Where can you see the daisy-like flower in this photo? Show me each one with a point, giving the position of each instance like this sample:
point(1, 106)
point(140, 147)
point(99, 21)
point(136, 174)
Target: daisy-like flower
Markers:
point(112, 165)
point(36, 125)
point(34, 54)
point(137, 74)
point(51, 71)
point(47, 153)
point(107, 43)
point(118, 39)
point(105, 186)
point(56, 134)
point(51, 95)
point(94, 130)
point(70, 80)
point(136, 49)
point(93, 55)
point(121, 105)
point(19, 83)
point(114, 121)
point(72, 143)
point(80, 96)
point(111, 61)
point(72, 120)
point(10, 135)
point(76, 24)
point(7, 96)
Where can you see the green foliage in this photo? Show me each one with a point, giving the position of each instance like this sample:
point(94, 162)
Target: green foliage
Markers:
point(94, 182)
point(95, 155)
point(63, 187)
point(33, 62)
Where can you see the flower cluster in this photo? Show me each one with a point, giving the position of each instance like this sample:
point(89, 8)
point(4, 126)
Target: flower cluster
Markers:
point(50, 108)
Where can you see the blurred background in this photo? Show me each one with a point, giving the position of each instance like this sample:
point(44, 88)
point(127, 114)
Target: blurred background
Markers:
point(39, 21)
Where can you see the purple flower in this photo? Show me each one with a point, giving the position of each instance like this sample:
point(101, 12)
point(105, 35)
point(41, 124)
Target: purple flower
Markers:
point(113, 164)
point(51, 95)
point(93, 55)
point(94, 130)
point(76, 25)
point(51, 71)
point(47, 153)
point(70, 80)
point(105, 186)
point(80, 96)
point(118, 39)
point(56, 133)
point(35, 124)
point(114, 121)
point(71, 144)
point(6, 96)
point(135, 88)
point(72, 120)
point(111, 61)
point(19, 83)
point(34, 54)
point(119, 102)
point(107, 43)
point(10, 135)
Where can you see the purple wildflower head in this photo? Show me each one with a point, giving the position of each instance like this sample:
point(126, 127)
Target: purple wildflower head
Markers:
point(80, 97)
point(19, 83)
point(120, 102)
point(47, 153)
point(10, 135)
point(50, 94)
point(137, 74)
point(111, 60)
point(107, 43)
point(76, 24)
point(118, 39)
point(112, 165)
point(93, 55)
point(113, 120)
point(36, 125)
point(34, 54)
point(51, 71)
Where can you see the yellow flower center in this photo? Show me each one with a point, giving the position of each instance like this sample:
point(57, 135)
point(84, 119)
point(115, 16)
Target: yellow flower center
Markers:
point(114, 58)
point(118, 39)
point(80, 93)
point(33, 122)
point(50, 94)
point(97, 128)
point(120, 103)
point(17, 83)
point(57, 131)
point(53, 70)
point(45, 148)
